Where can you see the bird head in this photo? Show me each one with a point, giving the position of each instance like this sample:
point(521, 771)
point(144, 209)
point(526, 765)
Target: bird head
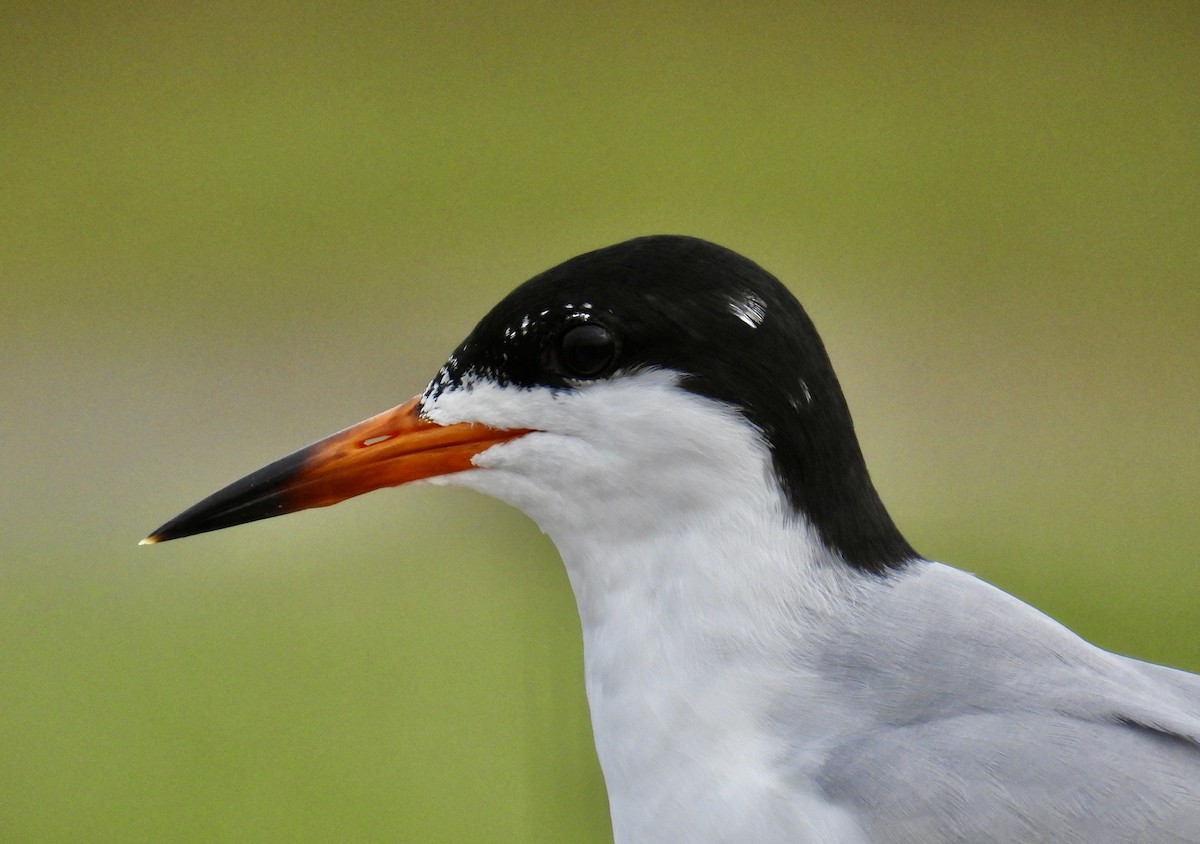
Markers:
point(625, 387)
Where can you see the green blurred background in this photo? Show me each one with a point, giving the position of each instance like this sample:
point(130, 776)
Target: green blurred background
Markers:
point(227, 229)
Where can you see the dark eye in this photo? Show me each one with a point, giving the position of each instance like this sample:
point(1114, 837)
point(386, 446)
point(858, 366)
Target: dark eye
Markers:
point(586, 350)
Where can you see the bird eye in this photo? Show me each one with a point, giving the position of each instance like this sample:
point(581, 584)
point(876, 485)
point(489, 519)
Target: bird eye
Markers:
point(586, 350)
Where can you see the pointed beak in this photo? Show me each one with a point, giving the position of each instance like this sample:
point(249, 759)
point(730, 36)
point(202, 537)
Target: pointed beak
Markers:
point(393, 448)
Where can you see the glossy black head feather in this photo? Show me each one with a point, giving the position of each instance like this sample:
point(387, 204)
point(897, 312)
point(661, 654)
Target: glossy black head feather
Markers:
point(735, 333)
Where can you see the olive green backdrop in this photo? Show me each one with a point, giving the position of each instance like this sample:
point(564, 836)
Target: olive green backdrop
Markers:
point(227, 229)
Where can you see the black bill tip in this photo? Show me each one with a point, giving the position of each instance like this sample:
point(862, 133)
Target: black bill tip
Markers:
point(259, 495)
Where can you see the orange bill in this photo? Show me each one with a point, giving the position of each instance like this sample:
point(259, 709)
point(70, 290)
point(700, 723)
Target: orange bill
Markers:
point(393, 448)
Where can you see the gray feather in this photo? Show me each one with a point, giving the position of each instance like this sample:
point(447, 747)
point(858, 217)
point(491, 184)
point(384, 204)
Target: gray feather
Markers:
point(978, 719)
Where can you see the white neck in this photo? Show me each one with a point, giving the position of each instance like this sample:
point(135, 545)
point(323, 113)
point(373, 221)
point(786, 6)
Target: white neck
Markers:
point(673, 539)
point(683, 692)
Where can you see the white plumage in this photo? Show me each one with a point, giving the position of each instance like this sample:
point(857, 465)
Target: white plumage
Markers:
point(747, 686)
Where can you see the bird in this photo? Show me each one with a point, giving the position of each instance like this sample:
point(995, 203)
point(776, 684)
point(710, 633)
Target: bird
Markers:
point(766, 658)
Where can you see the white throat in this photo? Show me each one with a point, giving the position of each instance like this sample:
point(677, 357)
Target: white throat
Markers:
point(675, 533)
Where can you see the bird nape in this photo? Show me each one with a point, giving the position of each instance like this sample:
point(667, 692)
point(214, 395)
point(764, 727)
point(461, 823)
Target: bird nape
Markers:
point(766, 658)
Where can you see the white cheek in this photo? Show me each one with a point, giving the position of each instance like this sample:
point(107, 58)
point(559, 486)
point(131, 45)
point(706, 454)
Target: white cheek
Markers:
point(616, 457)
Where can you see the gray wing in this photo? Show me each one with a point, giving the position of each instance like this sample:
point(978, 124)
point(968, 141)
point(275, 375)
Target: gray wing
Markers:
point(992, 723)
point(1019, 779)
point(1185, 685)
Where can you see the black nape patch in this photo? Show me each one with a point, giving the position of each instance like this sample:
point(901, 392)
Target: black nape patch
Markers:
point(738, 335)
